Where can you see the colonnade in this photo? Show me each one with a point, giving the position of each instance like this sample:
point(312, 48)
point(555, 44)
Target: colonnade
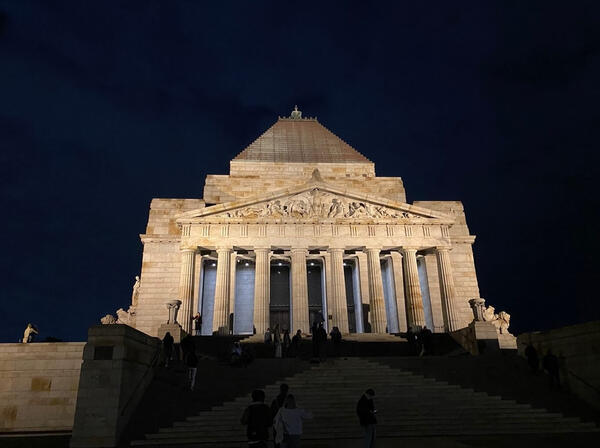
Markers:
point(336, 292)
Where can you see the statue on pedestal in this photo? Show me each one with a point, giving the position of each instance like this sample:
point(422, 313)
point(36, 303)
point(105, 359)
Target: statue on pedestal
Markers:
point(109, 319)
point(135, 292)
point(478, 306)
point(29, 333)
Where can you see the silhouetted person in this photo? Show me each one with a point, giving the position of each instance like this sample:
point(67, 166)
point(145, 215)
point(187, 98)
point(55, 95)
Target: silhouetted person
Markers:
point(277, 342)
point(278, 403)
point(168, 344)
point(322, 341)
point(365, 409)
point(550, 363)
point(296, 341)
point(532, 358)
point(197, 324)
point(288, 422)
point(336, 338)
point(287, 342)
point(236, 358)
point(268, 339)
point(258, 419)
point(230, 323)
point(426, 337)
point(187, 346)
point(191, 361)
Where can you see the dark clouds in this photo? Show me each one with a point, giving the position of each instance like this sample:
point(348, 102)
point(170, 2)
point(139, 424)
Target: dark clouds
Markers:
point(104, 105)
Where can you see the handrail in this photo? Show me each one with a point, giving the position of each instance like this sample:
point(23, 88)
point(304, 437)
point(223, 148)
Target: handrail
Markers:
point(152, 365)
point(570, 372)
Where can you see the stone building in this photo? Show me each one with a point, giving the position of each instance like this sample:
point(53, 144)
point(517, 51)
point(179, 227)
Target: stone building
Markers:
point(301, 227)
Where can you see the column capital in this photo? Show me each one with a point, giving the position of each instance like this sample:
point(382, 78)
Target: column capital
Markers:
point(410, 249)
point(299, 250)
point(188, 249)
point(261, 249)
point(443, 248)
point(225, 250)
point(372, 249)
point(335, 249)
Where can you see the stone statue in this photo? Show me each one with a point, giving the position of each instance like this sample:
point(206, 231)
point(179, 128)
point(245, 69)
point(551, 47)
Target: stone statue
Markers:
point(173, 307)
point(125, 317)
point(29, 333)
point(135, 292)
point(503, 322)
point(109, 319)
point(489, 315)
point(296, 114)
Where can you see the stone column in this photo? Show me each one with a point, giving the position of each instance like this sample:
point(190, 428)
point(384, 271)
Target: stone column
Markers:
point(339, 307)
point(186, 288)
point(262, 288)
point(222, 288)
point(447, 289)
point(300, 318)
point(412, 287)
point(377, 305)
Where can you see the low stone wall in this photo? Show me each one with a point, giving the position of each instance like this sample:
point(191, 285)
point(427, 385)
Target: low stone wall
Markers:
point(578, 350)
point(38, 386)
point(118, 366)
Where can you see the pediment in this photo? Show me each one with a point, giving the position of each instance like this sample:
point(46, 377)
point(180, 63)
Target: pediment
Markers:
point(315, 201)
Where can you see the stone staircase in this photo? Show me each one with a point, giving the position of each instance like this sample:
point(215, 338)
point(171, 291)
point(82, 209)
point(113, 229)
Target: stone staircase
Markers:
point(409, 405)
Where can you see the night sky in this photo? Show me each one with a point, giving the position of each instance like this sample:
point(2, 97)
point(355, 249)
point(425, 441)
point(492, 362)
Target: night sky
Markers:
point(105, 105)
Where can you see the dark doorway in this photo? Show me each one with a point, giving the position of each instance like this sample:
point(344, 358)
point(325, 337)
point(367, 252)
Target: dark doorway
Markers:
point(348, 273)
point(279, 308)
point(314, 273)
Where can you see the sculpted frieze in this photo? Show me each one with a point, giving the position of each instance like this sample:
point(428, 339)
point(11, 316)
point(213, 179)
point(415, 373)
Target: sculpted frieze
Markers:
point(316, 203)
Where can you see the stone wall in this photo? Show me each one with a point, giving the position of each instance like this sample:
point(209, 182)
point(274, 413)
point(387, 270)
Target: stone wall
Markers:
point(578, 350)
point(225, 188)
point(118, 365)
point(38, 386)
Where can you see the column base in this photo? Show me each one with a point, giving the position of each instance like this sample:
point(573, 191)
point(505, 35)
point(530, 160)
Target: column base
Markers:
point(176, 331)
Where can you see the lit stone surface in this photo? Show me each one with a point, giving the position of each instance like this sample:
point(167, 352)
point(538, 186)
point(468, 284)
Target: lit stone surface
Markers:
point(299, 192)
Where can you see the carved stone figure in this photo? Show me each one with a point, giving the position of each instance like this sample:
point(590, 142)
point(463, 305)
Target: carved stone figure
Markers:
point(489, 315)
point(296, 114)
point(29, 333)
point(109, 319)
point(135, 292)
point(503, 322)
point(319, 204)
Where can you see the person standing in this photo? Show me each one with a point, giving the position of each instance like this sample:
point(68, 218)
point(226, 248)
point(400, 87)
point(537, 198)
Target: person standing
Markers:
point(322, 341)
point(277, 404)
point(197, 324)
point(532, 358)
point(287, 342)
point(168, 344)
point(550, 364)
point(288, 423)
point(426, 341)
point(277, 341)
point(365, 409)
point(258, 419)
point(296, 340)
point(192, 365)
point(336, 338)
point(267, 338)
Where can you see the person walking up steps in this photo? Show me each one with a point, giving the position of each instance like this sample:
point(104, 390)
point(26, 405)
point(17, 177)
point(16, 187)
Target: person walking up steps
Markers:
point(365, 409)
point(258, 419)
point(277, 404)
point(288, 423)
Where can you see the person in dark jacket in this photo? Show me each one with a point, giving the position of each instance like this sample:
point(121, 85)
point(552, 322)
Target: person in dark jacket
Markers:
point(168, 344)
point(191, 361)
point(365, 409)
point(278, 403)
point(551, 365)
point(322, 341)
point(258, 419)
point(532, 358)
